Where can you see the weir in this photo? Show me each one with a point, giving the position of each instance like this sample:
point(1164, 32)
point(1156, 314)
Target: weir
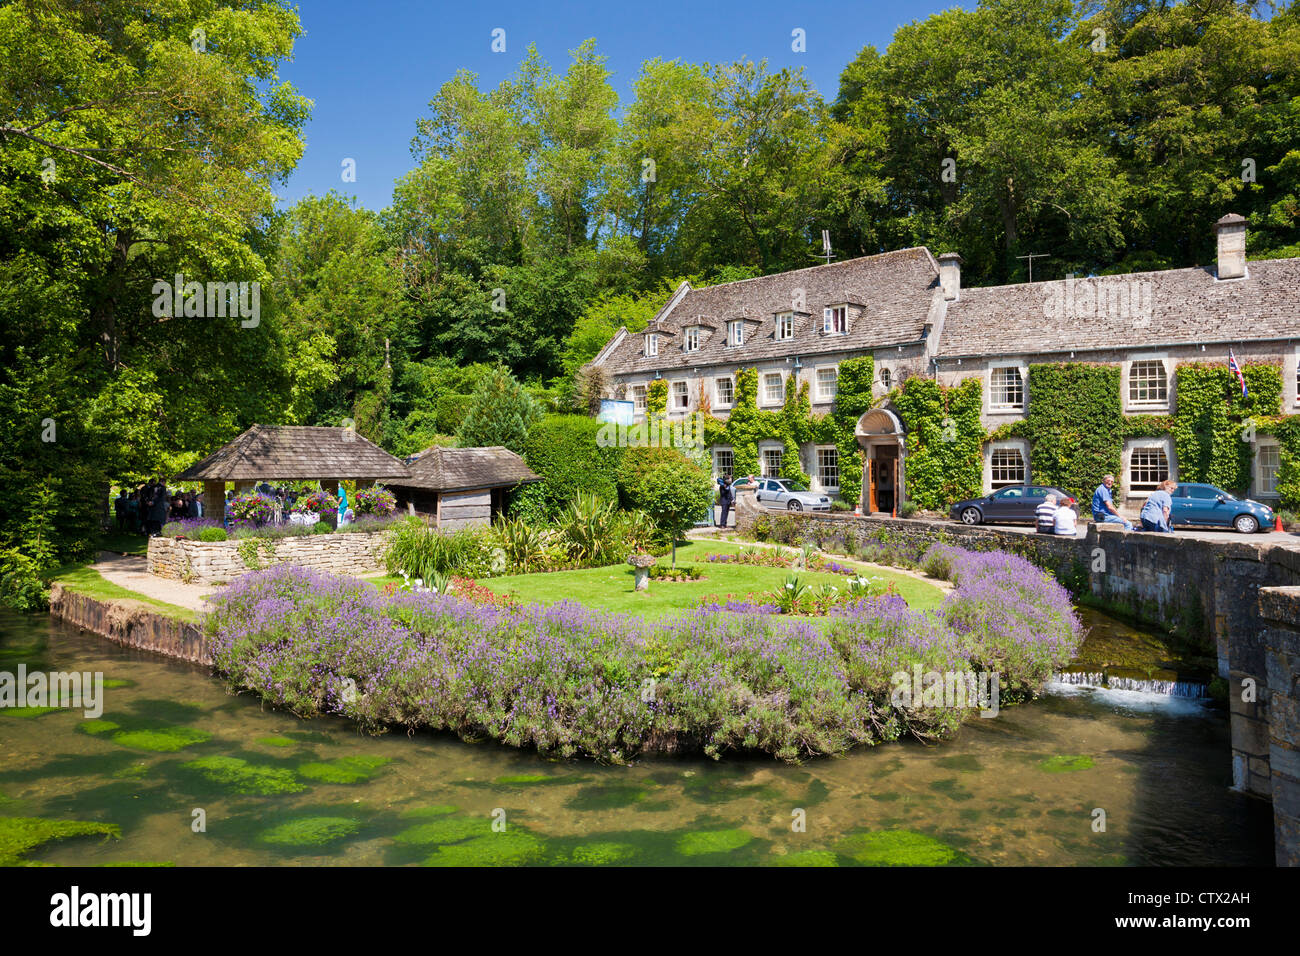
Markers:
point(1239, 599)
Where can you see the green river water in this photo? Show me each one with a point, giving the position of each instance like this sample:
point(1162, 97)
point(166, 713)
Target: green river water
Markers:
point(1020, 789)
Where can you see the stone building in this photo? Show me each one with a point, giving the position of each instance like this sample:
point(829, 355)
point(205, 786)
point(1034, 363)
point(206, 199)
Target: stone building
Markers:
point(910, 312)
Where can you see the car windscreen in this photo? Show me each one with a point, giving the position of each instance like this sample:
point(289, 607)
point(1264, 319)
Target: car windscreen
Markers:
point(795, 486)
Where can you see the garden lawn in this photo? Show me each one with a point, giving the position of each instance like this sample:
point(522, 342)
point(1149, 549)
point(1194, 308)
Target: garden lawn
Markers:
point(85, 580)
point(612, 588)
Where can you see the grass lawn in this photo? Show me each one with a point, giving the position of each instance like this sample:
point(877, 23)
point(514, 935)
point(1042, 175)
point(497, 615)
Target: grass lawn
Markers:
point(81, 579)
point(611, 588)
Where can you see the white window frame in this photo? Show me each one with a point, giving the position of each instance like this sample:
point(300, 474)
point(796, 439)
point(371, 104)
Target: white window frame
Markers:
point(1261, 444)
point(828, 320)
point(762, 389)
point(1018, 445)
point(717, 395)
point(1145, 408)
point(1294, 377)
point(784, 326)
point(723, 450)
point(770, 446)
point(817, 471)
point(651, 344)
point(820, 395)
point(1165, 444)
point(673, 395)
point(735, 333)
point(886, 376)
point(996, 408)
point(691, 338)
point(640, 398)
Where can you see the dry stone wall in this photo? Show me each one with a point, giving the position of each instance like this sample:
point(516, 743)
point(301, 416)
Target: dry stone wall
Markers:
point(213, 562)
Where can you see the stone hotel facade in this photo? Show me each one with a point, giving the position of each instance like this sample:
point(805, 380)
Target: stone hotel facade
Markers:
point(909, 311)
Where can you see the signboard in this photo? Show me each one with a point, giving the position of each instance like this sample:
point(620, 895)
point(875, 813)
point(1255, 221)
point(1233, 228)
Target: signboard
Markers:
point(615, 412)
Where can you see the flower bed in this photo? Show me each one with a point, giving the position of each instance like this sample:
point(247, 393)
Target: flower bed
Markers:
point(565, 679)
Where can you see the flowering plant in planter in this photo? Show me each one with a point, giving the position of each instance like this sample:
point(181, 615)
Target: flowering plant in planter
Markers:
point(252, 508)
point(316, 502)
point(375, 501)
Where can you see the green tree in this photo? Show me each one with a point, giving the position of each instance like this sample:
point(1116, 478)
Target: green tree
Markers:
point(676, 494)
point(500, 413)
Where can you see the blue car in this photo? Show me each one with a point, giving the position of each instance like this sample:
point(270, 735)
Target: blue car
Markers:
point(1208, 506)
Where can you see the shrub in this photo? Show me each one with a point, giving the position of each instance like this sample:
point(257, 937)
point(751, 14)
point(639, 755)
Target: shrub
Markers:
point(212, 534)
point(21, 584)
point(423, 551)
point(321, 527)
point(675, 495)
point(564, 450)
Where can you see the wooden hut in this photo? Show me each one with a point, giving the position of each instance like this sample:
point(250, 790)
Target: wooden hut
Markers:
point(291, 453)
point(458, 487)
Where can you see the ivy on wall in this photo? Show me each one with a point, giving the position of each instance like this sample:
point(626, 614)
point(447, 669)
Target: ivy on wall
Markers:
point(1211, 435)
point(944, 439)
point(656, 397)
point(794, 425)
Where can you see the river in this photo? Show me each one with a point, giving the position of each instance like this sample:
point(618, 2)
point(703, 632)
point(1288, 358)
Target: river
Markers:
point(1080, 776)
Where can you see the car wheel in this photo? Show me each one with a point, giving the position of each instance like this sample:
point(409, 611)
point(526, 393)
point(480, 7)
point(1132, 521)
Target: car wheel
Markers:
point(795, 506)
point(1246, 524)
point(971, 516)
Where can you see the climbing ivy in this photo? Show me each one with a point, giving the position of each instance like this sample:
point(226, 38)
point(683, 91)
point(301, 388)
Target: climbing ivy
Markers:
point(1211, 430)
point(656, 397)
point(944, 439)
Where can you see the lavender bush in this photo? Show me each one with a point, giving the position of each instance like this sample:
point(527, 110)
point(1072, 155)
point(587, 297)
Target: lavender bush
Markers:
point(573, 681)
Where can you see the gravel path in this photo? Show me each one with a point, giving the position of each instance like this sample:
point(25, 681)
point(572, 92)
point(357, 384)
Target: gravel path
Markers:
point(131, 571)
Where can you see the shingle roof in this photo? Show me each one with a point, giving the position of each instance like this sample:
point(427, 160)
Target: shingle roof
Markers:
point(295, 452)
point(1177, 306)
point(459, 469)
point(894, 288)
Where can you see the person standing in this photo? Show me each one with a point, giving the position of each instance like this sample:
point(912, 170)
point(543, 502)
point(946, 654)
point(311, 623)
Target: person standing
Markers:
point(119, 509)
point(1159, 505)
point(1103, 505)
point(726, 497)
point(1045, 515)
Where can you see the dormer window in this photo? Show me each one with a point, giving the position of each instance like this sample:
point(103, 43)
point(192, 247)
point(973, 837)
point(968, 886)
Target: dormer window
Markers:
point(651, 344)
point(785, 326)
point(691, 338)
point(736, 332)
point(835, 320)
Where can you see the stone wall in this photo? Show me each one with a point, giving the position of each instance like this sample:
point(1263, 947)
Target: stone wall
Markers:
point(212, 562)
point(131, 623)
point(1280, 637)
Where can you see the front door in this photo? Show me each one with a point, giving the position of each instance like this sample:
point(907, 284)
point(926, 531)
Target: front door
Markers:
point(883, 476)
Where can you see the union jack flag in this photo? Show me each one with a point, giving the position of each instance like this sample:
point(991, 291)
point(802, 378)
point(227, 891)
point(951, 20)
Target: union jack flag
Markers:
point(1235, 369)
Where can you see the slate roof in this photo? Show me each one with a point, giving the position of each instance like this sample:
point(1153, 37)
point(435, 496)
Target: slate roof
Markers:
point(895, 289)
point(295, 452)
point(1187, 306)
point(461, 469)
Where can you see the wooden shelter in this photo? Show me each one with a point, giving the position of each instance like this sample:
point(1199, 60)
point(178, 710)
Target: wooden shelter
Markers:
point(458, 487)
point(291, 453)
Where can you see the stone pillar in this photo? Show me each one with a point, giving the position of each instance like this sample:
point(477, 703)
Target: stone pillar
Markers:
point(1280, 611)
point(214, 499)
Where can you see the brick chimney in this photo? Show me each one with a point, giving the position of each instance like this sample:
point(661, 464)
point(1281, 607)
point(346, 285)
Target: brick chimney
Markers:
point(1231, 231)
point(950, 274)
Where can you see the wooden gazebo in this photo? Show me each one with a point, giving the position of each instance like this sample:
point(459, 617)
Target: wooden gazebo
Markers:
point(459, 486)
point(291, 453)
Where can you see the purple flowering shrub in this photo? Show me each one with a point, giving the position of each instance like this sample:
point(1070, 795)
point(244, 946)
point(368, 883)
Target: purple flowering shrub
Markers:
point(188, 527)
point(1012, 616)
point(570, 680)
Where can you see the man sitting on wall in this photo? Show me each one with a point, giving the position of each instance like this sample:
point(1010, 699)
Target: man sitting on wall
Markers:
point(1103, 505)
point(1045, 515)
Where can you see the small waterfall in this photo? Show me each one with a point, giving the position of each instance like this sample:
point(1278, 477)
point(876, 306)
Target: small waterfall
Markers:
point(1189, 690)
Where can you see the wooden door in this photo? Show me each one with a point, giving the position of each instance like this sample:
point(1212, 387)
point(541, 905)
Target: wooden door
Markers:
point(872, 464)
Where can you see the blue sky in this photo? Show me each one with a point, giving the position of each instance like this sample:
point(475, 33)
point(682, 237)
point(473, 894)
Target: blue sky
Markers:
point(372, 67)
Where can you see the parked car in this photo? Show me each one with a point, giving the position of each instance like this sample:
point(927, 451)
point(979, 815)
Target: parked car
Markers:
point(1012, 503)
point(1201, 505)
point(792, 495)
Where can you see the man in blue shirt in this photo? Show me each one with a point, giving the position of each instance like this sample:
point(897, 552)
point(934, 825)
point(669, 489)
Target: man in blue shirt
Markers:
point(1155, 513)
point(1103, 505)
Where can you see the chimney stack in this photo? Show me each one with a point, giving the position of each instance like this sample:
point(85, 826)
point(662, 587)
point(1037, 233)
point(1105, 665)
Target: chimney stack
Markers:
point(950, 275)
point(1231, 231)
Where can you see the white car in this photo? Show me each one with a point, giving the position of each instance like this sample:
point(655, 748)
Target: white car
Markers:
point(791, 495)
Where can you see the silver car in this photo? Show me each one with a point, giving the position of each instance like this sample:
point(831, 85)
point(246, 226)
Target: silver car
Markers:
point(792, 495)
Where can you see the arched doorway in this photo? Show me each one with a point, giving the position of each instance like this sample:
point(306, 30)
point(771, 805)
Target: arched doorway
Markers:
point(880, 434)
